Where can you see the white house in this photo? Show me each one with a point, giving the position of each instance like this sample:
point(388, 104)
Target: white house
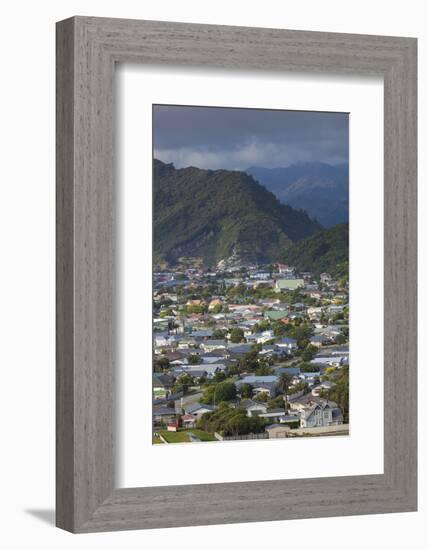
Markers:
point(321, 414)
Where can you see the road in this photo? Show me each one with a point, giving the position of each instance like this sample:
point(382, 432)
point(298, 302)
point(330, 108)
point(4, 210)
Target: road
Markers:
point(187, 400)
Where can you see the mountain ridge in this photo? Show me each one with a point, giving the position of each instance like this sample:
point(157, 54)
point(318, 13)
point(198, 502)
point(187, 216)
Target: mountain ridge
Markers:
point(218, 214)
point(319, 188)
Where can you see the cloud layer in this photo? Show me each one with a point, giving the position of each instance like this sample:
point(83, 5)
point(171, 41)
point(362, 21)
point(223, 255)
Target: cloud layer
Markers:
point(212, 137)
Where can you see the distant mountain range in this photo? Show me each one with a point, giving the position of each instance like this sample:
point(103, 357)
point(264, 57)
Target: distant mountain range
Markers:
point(326, 251)
point(318, 188)
point(220, 214)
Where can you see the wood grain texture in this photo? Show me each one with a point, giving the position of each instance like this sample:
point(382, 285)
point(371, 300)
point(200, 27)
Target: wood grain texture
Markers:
point(87, 49)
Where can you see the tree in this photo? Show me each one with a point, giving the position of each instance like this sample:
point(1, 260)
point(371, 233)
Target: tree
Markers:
point(308, 367)
point(230, 422)
point(340, 339)
point(236, 335)
point(262, 397)
point(246, 390)
point(216, 393)
point(194, 359)
point(219, 334)
point(284, 382)
point(160, 363)
point(263, 369)
point(276, 403)
point(183, 383)
point(309, 353)
point(340, 392)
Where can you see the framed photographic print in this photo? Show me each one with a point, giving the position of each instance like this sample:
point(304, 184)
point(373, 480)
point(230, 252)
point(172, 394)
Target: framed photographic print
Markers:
point(236, 274)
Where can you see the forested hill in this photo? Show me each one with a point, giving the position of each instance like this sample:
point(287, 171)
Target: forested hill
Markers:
point(216, 214)
point(327, 251)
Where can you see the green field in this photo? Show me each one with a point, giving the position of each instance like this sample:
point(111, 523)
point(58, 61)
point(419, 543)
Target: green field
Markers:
point(182, 435)
point(156, 440)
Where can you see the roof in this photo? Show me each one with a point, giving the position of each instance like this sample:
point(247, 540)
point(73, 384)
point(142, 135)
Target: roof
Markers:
point(276, 315)
point(164, 411)
point(290, 283)
point(254, 379)
point(286, 340)
point(250, 403)
point(214, 343)
point(240, 348)
point(194, 407)
point(162, 380)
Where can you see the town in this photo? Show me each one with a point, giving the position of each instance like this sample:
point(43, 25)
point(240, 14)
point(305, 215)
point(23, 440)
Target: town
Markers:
point(244, 351)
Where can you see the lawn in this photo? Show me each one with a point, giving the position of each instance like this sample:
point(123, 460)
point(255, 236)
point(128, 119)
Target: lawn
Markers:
point(156, 440)
point(182, 436)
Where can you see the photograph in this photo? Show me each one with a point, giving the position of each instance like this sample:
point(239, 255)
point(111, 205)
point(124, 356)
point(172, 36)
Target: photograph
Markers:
point(250, 274)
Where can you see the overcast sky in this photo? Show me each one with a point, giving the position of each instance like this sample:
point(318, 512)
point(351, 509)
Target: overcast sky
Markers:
point(215, 137)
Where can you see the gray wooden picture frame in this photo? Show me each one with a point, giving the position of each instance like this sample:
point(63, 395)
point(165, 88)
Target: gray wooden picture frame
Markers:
point(87, 50)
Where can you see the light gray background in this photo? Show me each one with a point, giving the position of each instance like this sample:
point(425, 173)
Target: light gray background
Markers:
point(27, 215)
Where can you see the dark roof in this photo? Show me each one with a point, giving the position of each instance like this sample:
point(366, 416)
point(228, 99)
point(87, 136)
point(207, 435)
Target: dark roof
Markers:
point(163, 411)
point(196, 406)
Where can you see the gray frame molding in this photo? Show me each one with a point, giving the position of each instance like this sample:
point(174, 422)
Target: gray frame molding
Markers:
point(87, 50)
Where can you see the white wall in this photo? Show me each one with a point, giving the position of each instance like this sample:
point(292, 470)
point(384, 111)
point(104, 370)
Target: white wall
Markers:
point(27, 268)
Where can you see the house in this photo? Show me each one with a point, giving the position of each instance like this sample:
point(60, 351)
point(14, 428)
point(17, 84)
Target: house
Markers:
point(174, 424)
point(319, 340)
point(162, 383)
point(195, 303)
point(276, 315)
point(214, 303)
point(320, 414)
point(198, 409)
point(210, 345)
point(325, 278)
point(207, 333)
point(195, 371)
point(163, 414)
point(260, 384)
point(254, 408)
point(288, 284)
point(188, 421)
point(310, 377)
point(261, 275)
point(274, 415)
point(284, 268)
point(277, 431)
point(289, 344)
point(239, 349)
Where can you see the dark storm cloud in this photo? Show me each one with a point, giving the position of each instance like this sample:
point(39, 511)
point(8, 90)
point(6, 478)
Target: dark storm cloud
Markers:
point(213, 137)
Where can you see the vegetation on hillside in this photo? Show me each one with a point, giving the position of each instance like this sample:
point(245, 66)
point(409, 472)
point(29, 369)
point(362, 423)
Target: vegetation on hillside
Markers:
point(219, 214)
point(327, 251)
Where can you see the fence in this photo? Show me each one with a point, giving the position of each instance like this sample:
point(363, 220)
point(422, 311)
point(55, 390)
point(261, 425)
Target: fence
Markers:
point(263, 435)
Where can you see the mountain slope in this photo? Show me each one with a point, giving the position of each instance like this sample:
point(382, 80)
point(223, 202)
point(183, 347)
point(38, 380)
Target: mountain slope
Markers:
point(217, 214)
point(327, 251)
point(320, 189)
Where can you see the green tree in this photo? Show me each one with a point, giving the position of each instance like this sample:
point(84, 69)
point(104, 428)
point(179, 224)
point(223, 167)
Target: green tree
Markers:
point(340, 339)
point(262, 397)
point(236, 335)
point(194, 359)
point(160, 363)
point(309, 352)
point(246, 390)
point(284, 382)
point(216, 393)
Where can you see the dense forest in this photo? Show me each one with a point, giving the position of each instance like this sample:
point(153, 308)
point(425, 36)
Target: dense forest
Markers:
point(327, 251)
point(216, 214)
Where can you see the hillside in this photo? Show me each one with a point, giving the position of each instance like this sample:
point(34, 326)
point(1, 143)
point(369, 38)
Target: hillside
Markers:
point(318, 188)
point(216, 214)
point(327, 251)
